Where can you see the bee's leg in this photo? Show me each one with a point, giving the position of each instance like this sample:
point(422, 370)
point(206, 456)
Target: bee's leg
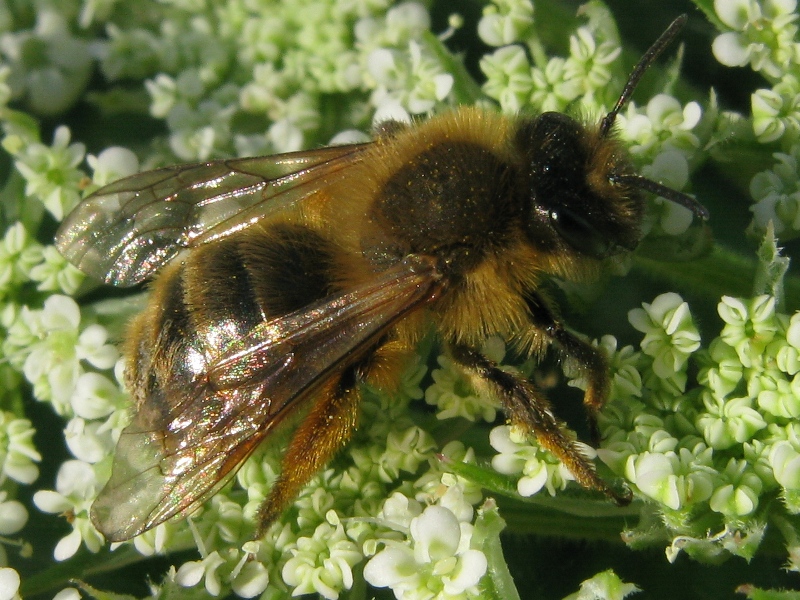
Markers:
point(589, 359)
point(527, 407)
point(329, 424)
point(321, 433)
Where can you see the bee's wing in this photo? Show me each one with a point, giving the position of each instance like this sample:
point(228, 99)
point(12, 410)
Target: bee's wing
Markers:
point(126, 230)
point(183, 444)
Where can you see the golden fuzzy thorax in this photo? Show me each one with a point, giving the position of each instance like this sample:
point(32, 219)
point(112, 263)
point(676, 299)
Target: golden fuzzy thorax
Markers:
point(489, 297)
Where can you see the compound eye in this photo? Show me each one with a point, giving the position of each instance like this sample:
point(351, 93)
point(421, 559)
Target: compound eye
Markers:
point(579, 233)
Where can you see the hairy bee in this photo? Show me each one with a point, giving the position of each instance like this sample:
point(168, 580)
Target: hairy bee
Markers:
point(311, 272)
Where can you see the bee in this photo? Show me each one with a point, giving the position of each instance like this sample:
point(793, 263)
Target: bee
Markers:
point(285, 282)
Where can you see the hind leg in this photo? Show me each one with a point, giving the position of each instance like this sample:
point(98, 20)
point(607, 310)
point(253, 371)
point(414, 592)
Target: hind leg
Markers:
point(328, 426)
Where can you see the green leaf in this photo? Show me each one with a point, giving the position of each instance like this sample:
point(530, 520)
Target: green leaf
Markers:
point(499, 584)
point(103, 595)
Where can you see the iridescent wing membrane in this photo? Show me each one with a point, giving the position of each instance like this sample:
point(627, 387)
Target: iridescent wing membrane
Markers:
point(184, 442)
point(126, 231)
point(169, 461)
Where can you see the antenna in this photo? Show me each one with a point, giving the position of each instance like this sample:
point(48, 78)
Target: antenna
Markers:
point(644, 63)
point(648, 185)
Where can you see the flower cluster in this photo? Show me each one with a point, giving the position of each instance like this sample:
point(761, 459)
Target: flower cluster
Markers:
point(452, 391)
point(278, 67)
point(764, 35)
point(776, 196)
point(706, 455)
point(547, 83)
point(435, 552)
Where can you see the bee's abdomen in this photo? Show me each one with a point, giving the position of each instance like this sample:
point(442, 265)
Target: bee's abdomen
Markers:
point(262, 273)
point(198, 308)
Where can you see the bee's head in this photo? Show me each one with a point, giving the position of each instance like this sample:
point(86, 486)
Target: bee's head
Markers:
point(572, 182)
point(583, 193)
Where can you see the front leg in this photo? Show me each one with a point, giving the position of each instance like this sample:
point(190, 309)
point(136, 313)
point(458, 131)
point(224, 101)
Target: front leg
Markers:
point(528, 408)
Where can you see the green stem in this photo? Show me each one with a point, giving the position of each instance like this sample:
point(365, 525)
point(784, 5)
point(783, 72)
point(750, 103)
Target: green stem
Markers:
point(81, 567)
point(465, 89)
point(576, 515)
point(489, 524)
point(539, 519)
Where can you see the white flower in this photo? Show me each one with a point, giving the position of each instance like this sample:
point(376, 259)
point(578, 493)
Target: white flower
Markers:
point(662, 124)
point(20, 255)
point(729, 421)
point(9, 584)
point(251, 580)
point(508, 77)
point(437, 559)
point(785, 461)
point(451, 496)
point(676, 480)
point(51, 172)
point(191, 573)
point(17, 452)
point(539, 469)
point(776, 111)
point(505, 22)
point(762, 34)
point(53, 273)
point(96, 396)
point(412, 77)
point(749, 326)
point(670, 333)
point(405, 22)
point(398, 510)
point(163, 92)
point(49, 67)
point(322, 563)
point(89, 442)
point(454, 396)
point(737, 491)
point(589, 62)
point(111, 164)
point(776, 195)
point(76, 489)
point(13, 515)
point(53, 346)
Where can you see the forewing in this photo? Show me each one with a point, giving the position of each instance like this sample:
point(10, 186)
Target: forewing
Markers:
point(125, 231)
point(183, 444)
